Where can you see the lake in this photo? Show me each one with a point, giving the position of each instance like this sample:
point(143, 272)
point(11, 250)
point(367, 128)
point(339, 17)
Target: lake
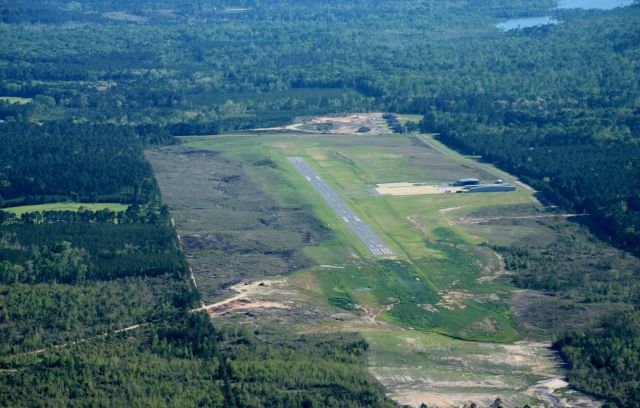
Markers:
point(525, 22)
point(562, 4)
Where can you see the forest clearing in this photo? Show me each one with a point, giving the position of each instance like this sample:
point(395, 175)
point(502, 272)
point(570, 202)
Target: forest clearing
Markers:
point(445, 279)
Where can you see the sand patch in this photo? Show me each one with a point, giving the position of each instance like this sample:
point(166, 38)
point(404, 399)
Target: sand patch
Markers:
point(409, 189)
point(345, 125)
point(244, 290)
point(244, 304)
point(454, 300)
point(441, 399)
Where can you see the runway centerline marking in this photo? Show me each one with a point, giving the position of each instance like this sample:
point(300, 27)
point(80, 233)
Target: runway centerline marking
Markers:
point(369, 238)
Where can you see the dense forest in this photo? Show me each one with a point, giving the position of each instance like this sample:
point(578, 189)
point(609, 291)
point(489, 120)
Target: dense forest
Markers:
point(63, 160)
point(557, 105)
point(607, 362)
point(188, 362)
point(591, 295)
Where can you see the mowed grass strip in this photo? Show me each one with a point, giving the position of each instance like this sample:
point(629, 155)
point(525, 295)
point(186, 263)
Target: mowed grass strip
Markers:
point(66, 206)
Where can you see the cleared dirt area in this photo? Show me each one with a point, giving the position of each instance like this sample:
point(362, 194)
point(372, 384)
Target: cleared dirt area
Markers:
point(443, 372)
point(408, 189)
point(244, 300)
point(346, 125)
point(415, 398)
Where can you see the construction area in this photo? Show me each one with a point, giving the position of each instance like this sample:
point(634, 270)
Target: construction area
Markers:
point(371, 123)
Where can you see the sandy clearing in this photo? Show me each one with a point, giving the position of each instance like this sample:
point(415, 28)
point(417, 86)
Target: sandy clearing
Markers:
point(346, 125)
point(244, 290)
point(393, 185)
point(245, 304)
point(441, 399)
point(554, 383)
point(453, 299)
point(412, 189)
point(462, 386)
point(505, 361)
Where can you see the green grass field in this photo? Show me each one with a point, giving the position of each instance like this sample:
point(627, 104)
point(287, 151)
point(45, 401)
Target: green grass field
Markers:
point(444, 279)
point(15, 99)
point(65, 206)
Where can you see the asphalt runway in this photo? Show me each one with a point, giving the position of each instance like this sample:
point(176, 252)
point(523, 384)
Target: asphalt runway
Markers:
point(362, 230)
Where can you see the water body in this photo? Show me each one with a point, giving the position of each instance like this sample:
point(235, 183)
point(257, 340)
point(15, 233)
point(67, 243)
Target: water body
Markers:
point(526, 22)
point(563, 4)
point(593, 4)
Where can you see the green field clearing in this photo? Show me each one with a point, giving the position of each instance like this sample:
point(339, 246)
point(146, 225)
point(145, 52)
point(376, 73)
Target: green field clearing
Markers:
point(66, 206)
point(443, 279)
point(15, 99)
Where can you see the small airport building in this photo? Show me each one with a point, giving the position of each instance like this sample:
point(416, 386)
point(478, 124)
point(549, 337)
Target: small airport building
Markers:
point(472, 185)
point(498, 186)
point(465, 182)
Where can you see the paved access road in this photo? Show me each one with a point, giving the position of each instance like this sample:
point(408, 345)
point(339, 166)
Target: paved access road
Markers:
point(362, 230)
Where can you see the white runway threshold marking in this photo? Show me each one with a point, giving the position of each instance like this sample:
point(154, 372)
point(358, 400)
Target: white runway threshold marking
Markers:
point(342, 209)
